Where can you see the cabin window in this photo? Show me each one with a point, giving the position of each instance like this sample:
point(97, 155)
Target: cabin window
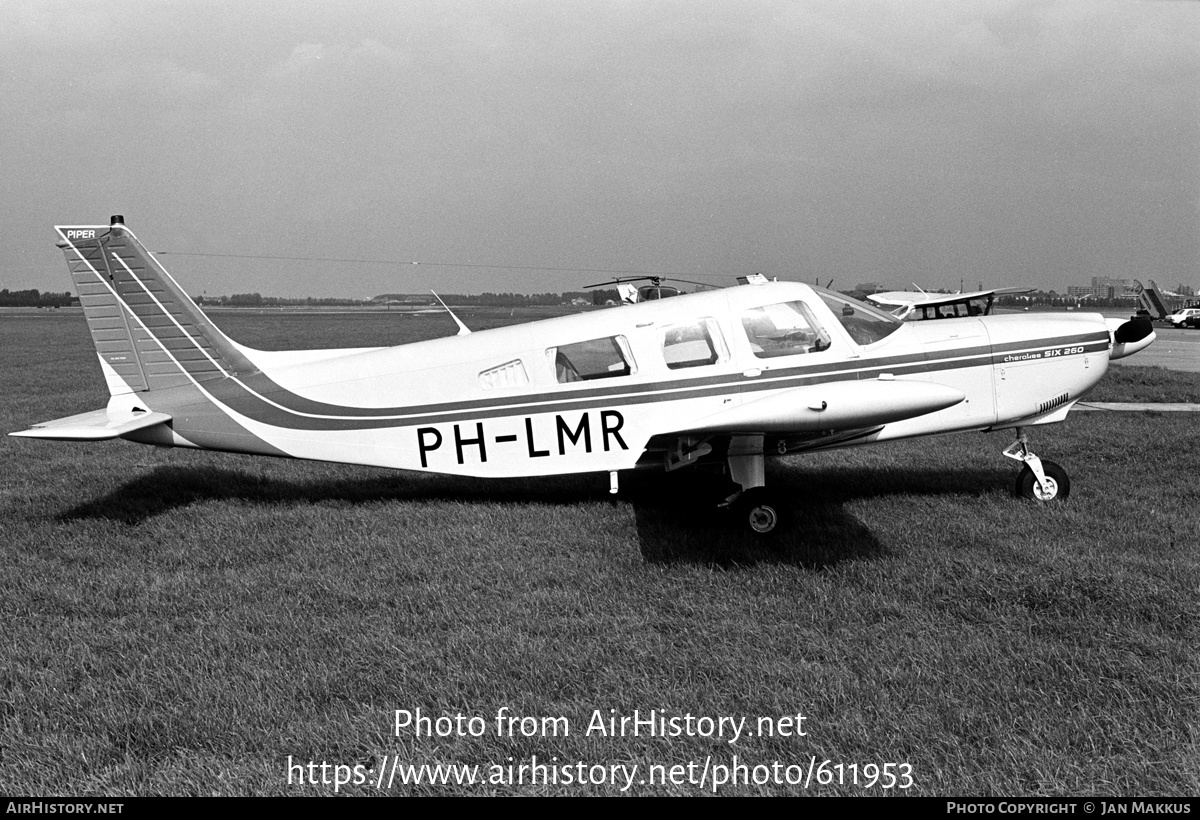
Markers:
point(693, 344)
point(594, 359)
point(785, 329)
point(865, 324)
point(509, 374)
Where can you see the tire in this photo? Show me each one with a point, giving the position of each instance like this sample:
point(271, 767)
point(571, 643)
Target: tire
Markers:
point(1056, 476)
point(760, 511)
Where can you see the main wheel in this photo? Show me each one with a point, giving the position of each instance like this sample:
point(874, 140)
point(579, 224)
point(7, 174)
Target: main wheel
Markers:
point(1058, 484)
point(761, 511)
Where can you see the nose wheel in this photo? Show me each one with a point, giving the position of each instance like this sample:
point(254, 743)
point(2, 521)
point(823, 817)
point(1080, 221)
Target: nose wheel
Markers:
point(1053, 486)
point(1038, 480)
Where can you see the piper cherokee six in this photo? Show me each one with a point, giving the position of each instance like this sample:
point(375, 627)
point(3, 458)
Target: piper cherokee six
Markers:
point(728, 376)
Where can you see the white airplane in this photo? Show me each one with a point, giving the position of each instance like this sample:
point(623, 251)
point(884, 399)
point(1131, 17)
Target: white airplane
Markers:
point(727, 376)
point(913, 306)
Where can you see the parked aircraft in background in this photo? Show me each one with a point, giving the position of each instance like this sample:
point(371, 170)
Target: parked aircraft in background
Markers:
point(728, 376)
point(916, 305)
point(654, 289)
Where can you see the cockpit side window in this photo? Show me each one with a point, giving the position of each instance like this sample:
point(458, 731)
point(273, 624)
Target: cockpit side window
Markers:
point(693, 344)
point(865, 324)
point(603, 358)
point(784, 329)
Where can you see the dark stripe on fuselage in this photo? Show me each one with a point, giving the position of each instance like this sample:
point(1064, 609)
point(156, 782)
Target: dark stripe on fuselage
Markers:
point(237, 398)
point(626, 393)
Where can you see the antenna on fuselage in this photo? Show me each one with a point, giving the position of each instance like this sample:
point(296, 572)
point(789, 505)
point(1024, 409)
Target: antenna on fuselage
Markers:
point(463, 330)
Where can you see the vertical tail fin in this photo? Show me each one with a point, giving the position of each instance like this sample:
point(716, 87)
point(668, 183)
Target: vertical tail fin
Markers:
point(148, 333)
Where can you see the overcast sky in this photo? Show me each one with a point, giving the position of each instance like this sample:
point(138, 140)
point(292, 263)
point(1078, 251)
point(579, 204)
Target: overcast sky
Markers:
point(1002, 141)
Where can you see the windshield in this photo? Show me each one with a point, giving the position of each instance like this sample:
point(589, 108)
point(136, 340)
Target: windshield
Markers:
point(865, 324)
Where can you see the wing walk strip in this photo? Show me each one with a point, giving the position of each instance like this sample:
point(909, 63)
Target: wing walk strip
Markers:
point(246, 396)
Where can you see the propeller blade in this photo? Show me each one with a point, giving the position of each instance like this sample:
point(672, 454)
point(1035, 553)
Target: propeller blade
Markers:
point(1130, 337)
point(1133, 331)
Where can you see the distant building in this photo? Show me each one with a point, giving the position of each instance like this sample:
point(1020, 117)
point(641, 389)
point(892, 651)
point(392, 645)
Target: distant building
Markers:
point(403, 299)
point(1103, 287)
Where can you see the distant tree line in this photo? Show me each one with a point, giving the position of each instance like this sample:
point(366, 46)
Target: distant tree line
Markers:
point(258, 300)
point(1056, 299)
point(515, 299)
point(34, 298)
point(591, 297)
point(495, 299)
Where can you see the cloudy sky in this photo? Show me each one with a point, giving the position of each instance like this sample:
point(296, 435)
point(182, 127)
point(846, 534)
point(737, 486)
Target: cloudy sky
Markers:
point(1003, 141)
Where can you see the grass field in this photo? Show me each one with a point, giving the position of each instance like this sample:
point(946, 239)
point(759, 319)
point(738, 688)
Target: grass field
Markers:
point(1149, 384)
point(181, 623)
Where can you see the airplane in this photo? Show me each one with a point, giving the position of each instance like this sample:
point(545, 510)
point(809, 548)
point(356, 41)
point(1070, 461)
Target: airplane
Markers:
point(914, 306)
point(725, 377)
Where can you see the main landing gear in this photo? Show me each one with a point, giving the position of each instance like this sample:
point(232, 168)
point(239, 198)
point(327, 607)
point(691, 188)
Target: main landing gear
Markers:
point(754, 506)
point(1038, 480)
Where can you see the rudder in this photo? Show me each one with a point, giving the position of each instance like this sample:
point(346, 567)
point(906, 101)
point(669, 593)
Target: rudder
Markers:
point(148, 333)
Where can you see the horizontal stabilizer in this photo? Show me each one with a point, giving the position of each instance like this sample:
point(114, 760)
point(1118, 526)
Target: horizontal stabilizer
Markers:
point(98, 425)
point(834, 406)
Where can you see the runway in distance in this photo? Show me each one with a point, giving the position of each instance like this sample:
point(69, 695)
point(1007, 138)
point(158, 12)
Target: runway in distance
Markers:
point(725, 377)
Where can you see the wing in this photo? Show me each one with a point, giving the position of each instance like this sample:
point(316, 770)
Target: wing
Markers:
point(805, 417)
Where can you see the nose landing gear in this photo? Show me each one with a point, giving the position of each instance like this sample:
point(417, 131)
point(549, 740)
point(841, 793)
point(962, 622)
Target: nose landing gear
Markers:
point(1038, 480)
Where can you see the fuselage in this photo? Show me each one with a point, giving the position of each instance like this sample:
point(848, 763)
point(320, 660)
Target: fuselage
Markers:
point(598, 391)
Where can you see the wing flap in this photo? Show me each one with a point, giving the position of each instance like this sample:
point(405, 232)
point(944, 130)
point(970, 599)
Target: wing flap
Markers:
point(98, 425)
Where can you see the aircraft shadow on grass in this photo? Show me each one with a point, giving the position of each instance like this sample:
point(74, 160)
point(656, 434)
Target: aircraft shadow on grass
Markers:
point(166, 488)
point(675, 515)
point(677, 521)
